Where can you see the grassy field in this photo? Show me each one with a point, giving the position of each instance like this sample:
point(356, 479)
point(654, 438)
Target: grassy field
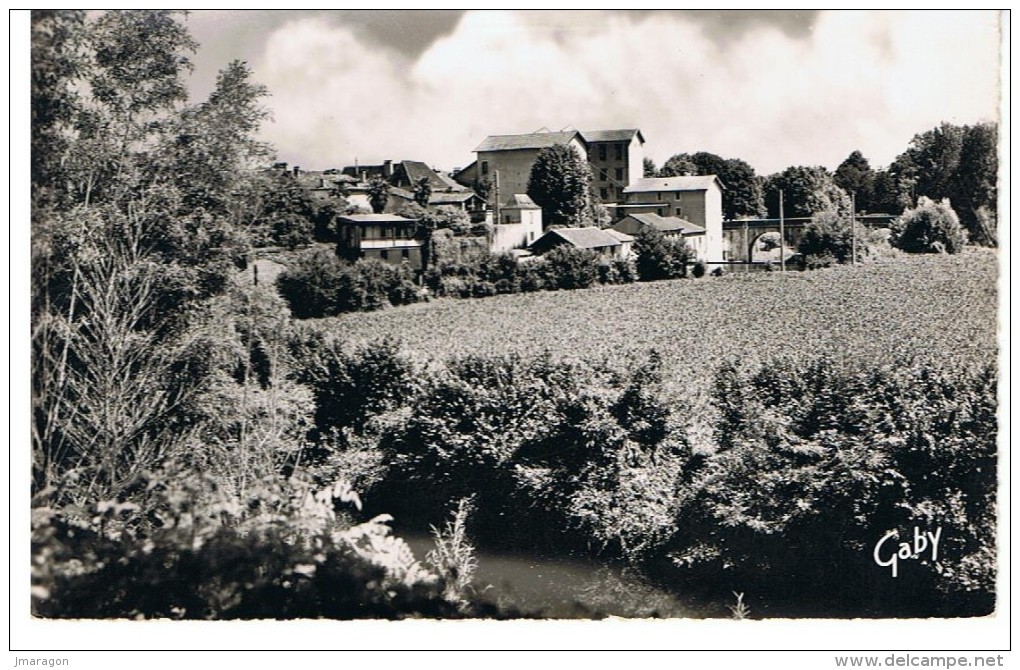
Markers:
point(916, 305)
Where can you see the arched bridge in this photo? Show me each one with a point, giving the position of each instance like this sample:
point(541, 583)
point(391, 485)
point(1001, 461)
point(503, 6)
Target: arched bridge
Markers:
point(741, 236)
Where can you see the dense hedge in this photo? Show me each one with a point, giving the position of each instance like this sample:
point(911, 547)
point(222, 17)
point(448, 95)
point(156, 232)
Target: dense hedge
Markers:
point(318, 284)
point(814, 463)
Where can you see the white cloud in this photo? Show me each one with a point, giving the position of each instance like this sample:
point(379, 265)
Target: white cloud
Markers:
point(860, 80)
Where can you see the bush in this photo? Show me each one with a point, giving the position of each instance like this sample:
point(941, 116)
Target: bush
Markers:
point(931, 227)
point(569, 268)
point(699, 269)
point(828, 239)
point(659, 257)
point(319, 284)
point(280, 552)
point(312, 283)
point(816, 463)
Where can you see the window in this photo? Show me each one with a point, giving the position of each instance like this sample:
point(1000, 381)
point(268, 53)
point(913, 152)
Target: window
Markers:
point(602, 175)
point(619, 174)
point(658, 195)
point(602, 152)
point(619, 151)
point(485, 168)
point(676, 196)
point(405, 253)
point(679, 211)
point(384, 254)
point(659, 211)
point(604, 193)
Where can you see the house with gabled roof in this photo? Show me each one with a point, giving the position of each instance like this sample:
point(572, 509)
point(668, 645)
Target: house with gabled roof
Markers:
point(697, 200)
point(512, 157)
point(385, 237)
point(609, 244)
point(669, 226)
point(520, 224)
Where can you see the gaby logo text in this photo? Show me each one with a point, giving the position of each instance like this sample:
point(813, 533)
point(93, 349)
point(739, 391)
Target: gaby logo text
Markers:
point(889, 554)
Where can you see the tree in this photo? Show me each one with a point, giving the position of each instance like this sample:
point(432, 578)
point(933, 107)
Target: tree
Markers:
point(378, 194)
point(648, 167)
point(975, 188)
point(559, 183)
point(742, 188)
point(678, 165)
point(659, 257)
point(931, 227)
point(57, 60)
point(854, 175)
point(829, 239)
point(422, 191)
point(806, 191)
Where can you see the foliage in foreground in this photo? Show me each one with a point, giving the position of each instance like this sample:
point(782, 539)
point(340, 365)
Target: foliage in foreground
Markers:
point(814, 462)
point(283, 551)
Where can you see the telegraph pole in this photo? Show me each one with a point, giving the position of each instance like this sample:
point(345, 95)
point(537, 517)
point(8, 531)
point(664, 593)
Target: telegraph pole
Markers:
point(782, 234)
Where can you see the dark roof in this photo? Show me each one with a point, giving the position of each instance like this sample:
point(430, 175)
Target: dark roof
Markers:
point(583, 238)
point(375, 218)
point(529, 141)
point(651, 184)
point(445, 198)
point(520, 201)
point(415, 170)
point(623, 135)
point(666, 224)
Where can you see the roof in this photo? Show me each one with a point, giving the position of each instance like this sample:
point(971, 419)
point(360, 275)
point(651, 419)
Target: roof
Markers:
point(583, 238)
point(401, 193)
point(651, 184)
point(529, 141)
point(622, 237)
point(455, 197)
point(520, 201)
point(624, 135)
point(667, 224)
point(375, 218)
point(390, 244)
point(415, 170)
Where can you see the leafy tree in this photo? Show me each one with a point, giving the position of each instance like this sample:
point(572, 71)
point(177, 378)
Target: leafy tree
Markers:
point(659, 257)
point(378, 195)
point(931, 227)
point(885, 193)
point(829, 239)
point(569, 268)
point(648, 167)
point(559, 184)
point(975, 184)
point(854, 175)
point(483, 187)
point(806, 191)
point(422, 191)
point(742, 193)
point(678, 165)
point(57, 60)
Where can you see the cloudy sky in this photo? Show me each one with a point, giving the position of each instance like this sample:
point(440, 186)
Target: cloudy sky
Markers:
point(775, 88)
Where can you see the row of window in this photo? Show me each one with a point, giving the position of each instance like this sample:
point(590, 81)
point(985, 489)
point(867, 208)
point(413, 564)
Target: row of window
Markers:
point(385, 253)
point(679, 211)
point(620, 150)
point(604, 175)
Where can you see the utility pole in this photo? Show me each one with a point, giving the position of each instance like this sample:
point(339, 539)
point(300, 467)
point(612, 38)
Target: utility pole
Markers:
point(853, 229)
point(782, 234)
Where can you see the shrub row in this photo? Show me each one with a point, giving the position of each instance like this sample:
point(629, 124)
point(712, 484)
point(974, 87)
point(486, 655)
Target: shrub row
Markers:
point(563, 268)
point(814, 464)
point(319, 284)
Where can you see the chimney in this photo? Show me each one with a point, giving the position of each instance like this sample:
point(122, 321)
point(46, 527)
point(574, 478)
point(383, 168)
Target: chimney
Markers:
point(297, 170)
point(387, 169)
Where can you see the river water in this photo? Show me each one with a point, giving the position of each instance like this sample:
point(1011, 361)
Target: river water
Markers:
point(567, 587)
